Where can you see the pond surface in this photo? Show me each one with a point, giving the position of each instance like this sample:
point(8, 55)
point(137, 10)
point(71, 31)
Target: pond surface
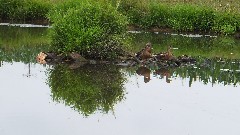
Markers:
point(198, 99)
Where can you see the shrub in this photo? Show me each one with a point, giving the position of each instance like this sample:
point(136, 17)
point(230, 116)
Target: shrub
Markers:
point(92, 28)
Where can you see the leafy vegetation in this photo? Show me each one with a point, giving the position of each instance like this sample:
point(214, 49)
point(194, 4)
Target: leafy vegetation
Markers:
point(94, 29)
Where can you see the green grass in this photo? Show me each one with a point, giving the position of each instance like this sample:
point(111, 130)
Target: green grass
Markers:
point(180, 16)
point(24, 9)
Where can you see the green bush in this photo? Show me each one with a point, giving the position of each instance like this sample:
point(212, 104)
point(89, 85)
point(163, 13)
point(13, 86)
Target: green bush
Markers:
point(94, 29)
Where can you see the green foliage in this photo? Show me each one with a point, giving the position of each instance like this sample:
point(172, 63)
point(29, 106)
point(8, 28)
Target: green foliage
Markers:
point(180, 17)
point(158, 15)
point(23, 9)
point(87, 89)
point(226, 23)
point(190, 18)
point(87, 27)
point(36, 9)
point(134, 10)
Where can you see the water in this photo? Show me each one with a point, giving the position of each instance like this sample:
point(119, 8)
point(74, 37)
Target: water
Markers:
point(107, 99)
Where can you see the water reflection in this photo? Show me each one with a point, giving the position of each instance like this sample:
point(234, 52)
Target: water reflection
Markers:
point(164, 72)
point(208, 71)
point(92, 88)
point(145, 72)
point(87, 89)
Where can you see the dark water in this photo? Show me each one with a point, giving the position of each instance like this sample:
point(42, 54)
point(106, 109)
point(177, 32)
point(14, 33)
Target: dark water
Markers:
point(203, 98)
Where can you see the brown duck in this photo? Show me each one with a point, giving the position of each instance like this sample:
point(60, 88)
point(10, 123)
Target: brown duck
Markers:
point(145, 53)
point(166, 55)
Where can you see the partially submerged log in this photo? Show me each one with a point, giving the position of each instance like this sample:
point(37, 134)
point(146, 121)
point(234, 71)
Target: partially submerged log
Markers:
point(50, 57)
point(143, 57)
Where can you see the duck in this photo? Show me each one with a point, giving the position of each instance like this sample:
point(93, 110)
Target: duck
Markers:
point(165, 55)
point(145, 53)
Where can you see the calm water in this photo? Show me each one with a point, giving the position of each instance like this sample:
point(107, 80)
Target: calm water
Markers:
point(111, 100)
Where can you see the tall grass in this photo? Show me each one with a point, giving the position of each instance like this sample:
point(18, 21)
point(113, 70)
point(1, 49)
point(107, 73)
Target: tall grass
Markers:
point(180, 17)
point(24, 9)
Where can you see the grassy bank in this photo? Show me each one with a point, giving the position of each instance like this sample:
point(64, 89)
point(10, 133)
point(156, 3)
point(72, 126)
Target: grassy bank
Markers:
point(24, 10)
point(181, 15)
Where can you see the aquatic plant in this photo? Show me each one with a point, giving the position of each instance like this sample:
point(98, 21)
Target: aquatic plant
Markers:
point(94, 29)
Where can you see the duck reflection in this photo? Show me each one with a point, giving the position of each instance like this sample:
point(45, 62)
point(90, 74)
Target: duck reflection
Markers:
point(144, 71)
point(164, 72)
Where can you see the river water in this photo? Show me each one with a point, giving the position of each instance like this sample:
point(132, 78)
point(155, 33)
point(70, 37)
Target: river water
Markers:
point(110, 100)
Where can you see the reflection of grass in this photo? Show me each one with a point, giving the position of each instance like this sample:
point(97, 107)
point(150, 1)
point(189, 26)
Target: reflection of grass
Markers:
point(87, 89)
point(226, 47)
point(22, 44)
point(17, 36)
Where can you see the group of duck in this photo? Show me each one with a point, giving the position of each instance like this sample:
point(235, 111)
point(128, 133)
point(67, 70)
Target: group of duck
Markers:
point(165, 58)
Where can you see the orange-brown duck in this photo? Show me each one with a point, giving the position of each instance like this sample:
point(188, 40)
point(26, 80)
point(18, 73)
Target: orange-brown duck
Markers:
point(165, 55)
point(145, 53)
